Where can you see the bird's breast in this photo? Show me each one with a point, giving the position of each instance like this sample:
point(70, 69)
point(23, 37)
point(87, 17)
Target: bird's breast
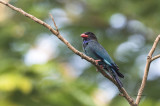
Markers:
point(89, 51)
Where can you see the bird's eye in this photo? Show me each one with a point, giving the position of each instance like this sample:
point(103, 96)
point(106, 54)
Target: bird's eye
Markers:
point(86, 43)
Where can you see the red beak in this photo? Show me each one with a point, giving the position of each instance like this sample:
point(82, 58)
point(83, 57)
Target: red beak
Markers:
point(84, 35)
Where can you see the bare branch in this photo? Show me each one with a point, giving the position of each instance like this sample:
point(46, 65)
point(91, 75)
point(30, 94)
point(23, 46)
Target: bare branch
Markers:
point(154, 46)
point(149, 60)
point(54, 24)
point(155, 57)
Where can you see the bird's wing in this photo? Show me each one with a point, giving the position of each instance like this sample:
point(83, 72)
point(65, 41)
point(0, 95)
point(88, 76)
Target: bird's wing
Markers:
point(101, 53)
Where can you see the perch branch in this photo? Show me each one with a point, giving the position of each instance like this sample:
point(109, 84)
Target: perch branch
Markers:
point(149, 60)
point(155, 57)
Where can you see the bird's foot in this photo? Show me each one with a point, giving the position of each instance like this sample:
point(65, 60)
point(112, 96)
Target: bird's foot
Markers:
point(97, 61)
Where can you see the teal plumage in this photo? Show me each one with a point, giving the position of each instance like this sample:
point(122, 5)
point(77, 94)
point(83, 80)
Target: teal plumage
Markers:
point(93, 49)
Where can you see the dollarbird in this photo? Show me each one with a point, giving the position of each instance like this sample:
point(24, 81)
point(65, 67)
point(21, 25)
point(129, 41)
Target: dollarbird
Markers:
point(93, 49)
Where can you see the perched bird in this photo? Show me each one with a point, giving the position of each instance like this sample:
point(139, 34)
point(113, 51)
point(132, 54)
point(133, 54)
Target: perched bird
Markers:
point(94, 50)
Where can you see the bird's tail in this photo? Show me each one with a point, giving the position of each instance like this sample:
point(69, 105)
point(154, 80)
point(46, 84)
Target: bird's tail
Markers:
point(119, 74)
point(115, 76)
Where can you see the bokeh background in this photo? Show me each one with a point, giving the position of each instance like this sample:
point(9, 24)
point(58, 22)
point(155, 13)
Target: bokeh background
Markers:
point(37, 69)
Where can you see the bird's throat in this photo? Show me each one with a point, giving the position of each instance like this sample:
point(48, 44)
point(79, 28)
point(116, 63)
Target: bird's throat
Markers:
point(85, 41)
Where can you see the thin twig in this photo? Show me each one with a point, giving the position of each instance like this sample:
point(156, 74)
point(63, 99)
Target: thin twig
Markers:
point(54, 24)
point(149, 60)
point(155, 57)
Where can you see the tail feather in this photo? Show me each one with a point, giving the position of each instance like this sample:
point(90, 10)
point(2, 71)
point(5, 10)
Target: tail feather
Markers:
point(118, 81)
point(120, 74)
point(116, 69)
point(115, 76)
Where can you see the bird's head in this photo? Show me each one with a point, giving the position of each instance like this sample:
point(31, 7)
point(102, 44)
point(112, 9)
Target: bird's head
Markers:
point(88, 35)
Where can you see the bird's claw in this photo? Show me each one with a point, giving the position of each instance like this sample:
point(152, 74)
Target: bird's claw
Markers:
point(97, 62)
